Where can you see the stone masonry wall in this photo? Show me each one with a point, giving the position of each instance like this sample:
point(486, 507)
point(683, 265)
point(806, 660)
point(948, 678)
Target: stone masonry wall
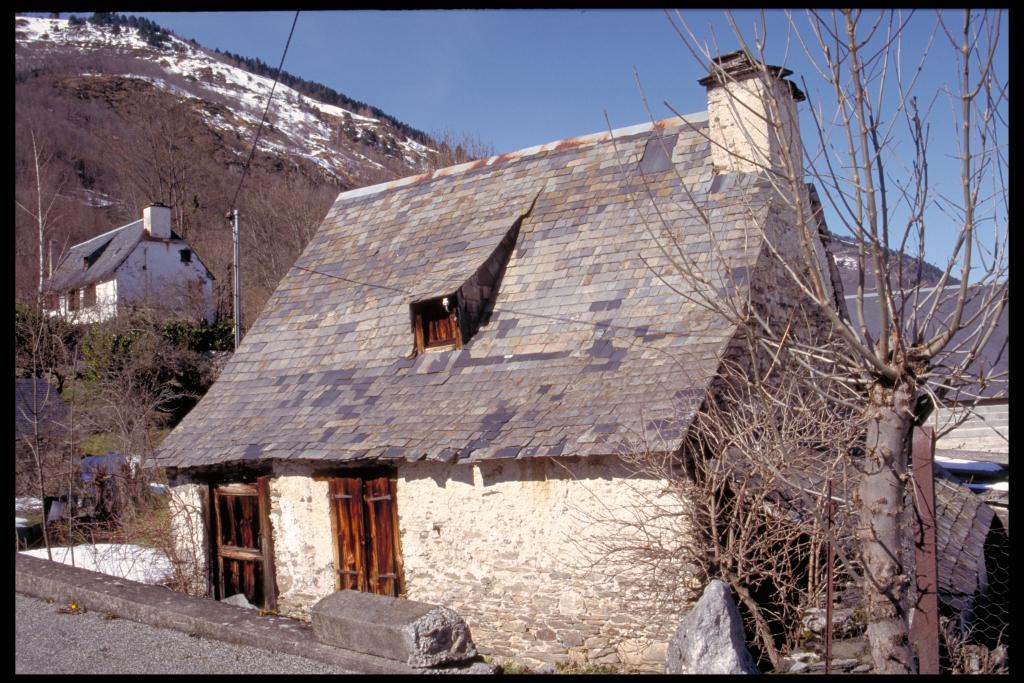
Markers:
point(510, 545)
point(744, 141)
point(300, 517)
point(513, 546)
point(189, 533)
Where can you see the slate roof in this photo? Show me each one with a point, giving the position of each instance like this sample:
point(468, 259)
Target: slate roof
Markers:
point(96, 259)
point(36, 400)
point(588, 345)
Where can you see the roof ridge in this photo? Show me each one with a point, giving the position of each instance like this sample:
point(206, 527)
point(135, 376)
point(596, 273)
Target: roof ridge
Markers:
point(108, 232)
point(578, 141)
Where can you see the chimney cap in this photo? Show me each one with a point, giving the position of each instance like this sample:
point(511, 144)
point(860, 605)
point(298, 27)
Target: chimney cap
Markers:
point(739, 65)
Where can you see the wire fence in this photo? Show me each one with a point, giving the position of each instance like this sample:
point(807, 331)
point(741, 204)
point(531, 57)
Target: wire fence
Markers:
point(974, 621)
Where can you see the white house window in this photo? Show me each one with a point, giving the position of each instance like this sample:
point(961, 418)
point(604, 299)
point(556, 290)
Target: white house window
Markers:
point(186, 255)
point(89, 296)
point(73, 300)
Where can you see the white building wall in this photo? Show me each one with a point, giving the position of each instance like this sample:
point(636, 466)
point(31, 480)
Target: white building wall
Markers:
point(190, 536)
point(104, 309)
point(518, 548)
point(300, 518)
point(154, 275)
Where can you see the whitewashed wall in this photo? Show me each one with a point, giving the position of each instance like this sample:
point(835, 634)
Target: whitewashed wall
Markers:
point(513, 546)
point(300, 518)
point(153, 274)
point(105, 308)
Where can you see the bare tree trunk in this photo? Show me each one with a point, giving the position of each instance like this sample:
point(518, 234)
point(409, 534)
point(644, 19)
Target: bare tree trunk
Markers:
point(881, 494)
point(41, 221)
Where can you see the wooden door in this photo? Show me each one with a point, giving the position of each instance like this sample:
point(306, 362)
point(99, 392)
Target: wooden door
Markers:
point(364, 516)
point(242, 543)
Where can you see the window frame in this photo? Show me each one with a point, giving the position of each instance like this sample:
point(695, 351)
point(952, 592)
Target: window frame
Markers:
point(428, 311)
point(89, 296)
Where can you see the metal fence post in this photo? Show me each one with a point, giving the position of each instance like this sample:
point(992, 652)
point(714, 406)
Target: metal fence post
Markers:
point(828, 581)
point(924, 630)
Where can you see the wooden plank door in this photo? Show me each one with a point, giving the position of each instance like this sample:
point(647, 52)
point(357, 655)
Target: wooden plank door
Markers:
point(365, 521)
point(242, 545)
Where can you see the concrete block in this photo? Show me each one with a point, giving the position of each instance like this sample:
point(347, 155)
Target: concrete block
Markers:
point(417, 633)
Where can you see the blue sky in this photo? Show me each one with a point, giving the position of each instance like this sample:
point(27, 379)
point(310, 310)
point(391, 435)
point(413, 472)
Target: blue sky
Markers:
point(518, 78)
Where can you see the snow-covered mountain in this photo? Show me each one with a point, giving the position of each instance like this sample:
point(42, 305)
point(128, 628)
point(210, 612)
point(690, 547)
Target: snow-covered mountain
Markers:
point(907, 270)
point(341, 143)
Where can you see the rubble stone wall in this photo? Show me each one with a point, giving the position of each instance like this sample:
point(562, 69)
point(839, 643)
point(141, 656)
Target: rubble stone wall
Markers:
point(515, 547)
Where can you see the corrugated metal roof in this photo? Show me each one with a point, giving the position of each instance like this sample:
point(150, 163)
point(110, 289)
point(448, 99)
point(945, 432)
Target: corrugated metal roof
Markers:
point(993, 358)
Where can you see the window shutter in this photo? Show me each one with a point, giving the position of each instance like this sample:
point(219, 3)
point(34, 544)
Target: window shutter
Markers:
point(347, 509)
point(382, 522)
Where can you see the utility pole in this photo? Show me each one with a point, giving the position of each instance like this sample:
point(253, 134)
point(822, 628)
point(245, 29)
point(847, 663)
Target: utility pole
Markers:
point(237, 294)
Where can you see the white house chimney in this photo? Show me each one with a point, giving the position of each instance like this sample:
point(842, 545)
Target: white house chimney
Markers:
point(752, 116)
point(156, 219)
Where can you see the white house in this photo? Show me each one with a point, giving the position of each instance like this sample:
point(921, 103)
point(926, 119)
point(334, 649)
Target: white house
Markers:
point(144, 264)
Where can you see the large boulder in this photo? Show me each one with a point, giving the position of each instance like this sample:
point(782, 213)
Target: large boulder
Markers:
point(709, 640)
point(417, 633)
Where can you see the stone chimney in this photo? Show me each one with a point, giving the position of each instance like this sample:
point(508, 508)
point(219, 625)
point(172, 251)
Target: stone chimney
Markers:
point(752, 115)
point(156, 219)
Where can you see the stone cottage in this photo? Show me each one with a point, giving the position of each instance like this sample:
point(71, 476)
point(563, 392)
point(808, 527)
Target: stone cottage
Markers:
point(434, 401)
point(143, 263)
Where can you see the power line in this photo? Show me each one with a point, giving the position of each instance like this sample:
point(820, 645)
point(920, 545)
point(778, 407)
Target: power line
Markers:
point(266, 110)
point(503, 309)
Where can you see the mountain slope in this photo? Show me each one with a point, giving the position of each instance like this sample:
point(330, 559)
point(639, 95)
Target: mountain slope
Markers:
point(907, 270)
point(340, 142)
point(121, 114)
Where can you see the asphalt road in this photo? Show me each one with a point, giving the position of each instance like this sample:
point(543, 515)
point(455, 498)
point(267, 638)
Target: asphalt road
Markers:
point(48, 642)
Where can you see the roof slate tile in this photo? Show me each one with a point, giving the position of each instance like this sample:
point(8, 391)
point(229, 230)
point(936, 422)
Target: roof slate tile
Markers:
point(568, 362)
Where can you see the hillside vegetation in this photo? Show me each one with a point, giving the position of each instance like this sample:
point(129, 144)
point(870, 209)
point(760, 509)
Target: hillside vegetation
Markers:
point(116, 113)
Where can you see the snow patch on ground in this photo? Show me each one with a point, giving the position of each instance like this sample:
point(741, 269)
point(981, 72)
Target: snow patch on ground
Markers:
point(125, 561)
point(847, 261)
point(995, 486)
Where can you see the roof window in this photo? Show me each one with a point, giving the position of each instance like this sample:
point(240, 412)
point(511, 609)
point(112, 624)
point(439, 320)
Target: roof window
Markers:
point(436, 323)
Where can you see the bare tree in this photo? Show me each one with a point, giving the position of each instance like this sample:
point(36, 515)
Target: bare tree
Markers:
point(930, 337)
point(458, 148)
point(744, 502)
point(44, 425)
point(41, 215)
